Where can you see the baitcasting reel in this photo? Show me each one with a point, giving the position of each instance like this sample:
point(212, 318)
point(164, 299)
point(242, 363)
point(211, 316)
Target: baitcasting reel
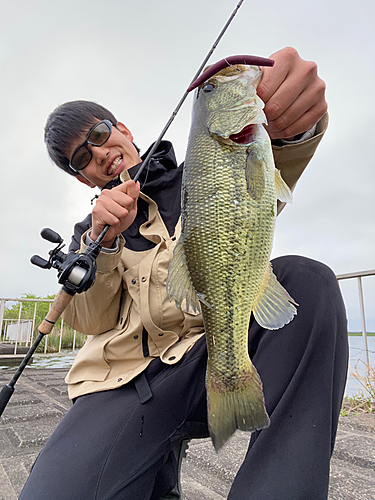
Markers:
point(76, 272)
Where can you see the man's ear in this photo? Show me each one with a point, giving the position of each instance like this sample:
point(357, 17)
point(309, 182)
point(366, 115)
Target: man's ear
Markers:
point(124, 130)
point(85, 181)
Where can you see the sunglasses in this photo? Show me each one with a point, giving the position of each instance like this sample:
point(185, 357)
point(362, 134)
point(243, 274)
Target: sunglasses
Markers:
point(97, 136)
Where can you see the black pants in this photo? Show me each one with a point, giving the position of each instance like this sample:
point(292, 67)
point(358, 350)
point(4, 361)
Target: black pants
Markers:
point(111, 447)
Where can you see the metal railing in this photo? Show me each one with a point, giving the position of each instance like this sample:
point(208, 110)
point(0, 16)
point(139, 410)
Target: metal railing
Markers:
point(12, 331)
point(17, 339)
point(359, 277)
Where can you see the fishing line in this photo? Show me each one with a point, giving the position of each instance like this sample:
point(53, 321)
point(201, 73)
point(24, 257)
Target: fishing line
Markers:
point(232, 66)
point(146, 176)
point(158, 140)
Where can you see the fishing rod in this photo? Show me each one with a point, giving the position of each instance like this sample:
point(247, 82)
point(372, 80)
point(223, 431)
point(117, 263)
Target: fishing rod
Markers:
point(76, 272)
point(158, 140)
point(177, 108)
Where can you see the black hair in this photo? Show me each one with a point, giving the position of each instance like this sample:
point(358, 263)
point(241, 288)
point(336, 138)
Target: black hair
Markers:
point(67, 122)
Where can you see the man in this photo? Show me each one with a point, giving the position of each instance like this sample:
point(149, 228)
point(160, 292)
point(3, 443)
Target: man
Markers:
point(138, 383)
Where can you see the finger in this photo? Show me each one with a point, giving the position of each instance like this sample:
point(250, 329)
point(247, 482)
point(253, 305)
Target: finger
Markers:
point(271, 80)
point(286, 62)
point(309, 86)
point(125, 194)
point(284, 83)
point(128, 188)
point(102, 218)
point(117, 208)
point(112, 207)
point(303, 124)
point(132, 189)
point(286, 95)
point(311, 103)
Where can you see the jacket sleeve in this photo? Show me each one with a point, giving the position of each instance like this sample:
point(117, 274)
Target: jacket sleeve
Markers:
point(292, 159)
point(96, 311)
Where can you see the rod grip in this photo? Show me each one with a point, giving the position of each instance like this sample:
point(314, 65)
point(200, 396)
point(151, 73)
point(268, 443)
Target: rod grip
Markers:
point(59, 305)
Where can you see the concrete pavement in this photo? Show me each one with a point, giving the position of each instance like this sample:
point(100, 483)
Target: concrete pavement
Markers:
point(41, 400)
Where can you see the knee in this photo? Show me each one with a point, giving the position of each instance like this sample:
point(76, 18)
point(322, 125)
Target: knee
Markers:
point(307, 276)
point(314, 286)
point(302, 267)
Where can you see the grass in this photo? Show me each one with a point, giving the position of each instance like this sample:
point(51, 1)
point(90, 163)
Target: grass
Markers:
point(53, 341)
point(356, 405)
point(364, 402)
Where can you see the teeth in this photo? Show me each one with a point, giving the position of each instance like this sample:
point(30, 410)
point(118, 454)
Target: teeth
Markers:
point(114, 165)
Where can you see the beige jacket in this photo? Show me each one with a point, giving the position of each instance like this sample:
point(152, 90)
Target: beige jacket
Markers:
point(129, 295)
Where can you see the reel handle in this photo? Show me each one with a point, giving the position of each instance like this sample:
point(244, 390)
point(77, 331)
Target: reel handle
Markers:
point(40, 262)
point(50, 235)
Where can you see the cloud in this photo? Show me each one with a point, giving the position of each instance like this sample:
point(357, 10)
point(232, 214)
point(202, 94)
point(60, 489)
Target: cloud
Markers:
point(137, 59)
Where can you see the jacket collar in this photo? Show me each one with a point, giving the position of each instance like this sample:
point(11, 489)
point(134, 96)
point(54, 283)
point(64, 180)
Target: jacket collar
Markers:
point(162, 161)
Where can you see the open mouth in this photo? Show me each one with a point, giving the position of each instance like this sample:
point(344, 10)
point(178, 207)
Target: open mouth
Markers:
point(245, 136)
point(114, 166)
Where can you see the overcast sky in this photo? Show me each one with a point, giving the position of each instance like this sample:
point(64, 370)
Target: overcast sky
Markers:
point(137, 58)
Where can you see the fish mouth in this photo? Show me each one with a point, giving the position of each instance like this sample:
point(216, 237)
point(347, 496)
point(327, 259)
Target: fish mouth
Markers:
point(245, 136)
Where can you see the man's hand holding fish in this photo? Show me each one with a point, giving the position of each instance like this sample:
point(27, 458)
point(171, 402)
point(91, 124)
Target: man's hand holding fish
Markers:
point(293, 93)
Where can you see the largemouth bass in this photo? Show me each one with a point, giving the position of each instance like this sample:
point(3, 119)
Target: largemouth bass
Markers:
point(221, 261)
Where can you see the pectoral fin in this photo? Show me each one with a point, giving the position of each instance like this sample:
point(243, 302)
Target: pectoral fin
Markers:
point(274, 307)
point(255, 173)
point(283, 193)
point(179, 283)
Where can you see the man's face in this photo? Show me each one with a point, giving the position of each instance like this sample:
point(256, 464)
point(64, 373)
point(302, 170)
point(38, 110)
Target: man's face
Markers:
point(109, 160)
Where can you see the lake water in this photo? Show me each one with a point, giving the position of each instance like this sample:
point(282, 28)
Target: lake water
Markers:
point(51, 361)
point(357, 362)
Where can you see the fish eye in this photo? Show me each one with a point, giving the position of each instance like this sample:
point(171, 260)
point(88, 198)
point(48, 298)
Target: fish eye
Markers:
point(208, 87)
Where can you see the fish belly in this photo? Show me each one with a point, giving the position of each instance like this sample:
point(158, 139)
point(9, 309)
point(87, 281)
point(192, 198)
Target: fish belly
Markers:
point(227, 240)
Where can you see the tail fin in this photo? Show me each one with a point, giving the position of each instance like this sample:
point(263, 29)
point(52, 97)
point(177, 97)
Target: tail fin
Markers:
point(238, 406)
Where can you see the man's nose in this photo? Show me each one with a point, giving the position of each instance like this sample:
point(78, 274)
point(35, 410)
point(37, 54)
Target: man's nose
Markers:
point(100, 153)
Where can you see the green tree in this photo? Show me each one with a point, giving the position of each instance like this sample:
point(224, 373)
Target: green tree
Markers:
point(27, 313)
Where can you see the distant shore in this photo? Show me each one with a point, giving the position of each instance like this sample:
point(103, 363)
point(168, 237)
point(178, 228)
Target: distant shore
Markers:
point(359, 334)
